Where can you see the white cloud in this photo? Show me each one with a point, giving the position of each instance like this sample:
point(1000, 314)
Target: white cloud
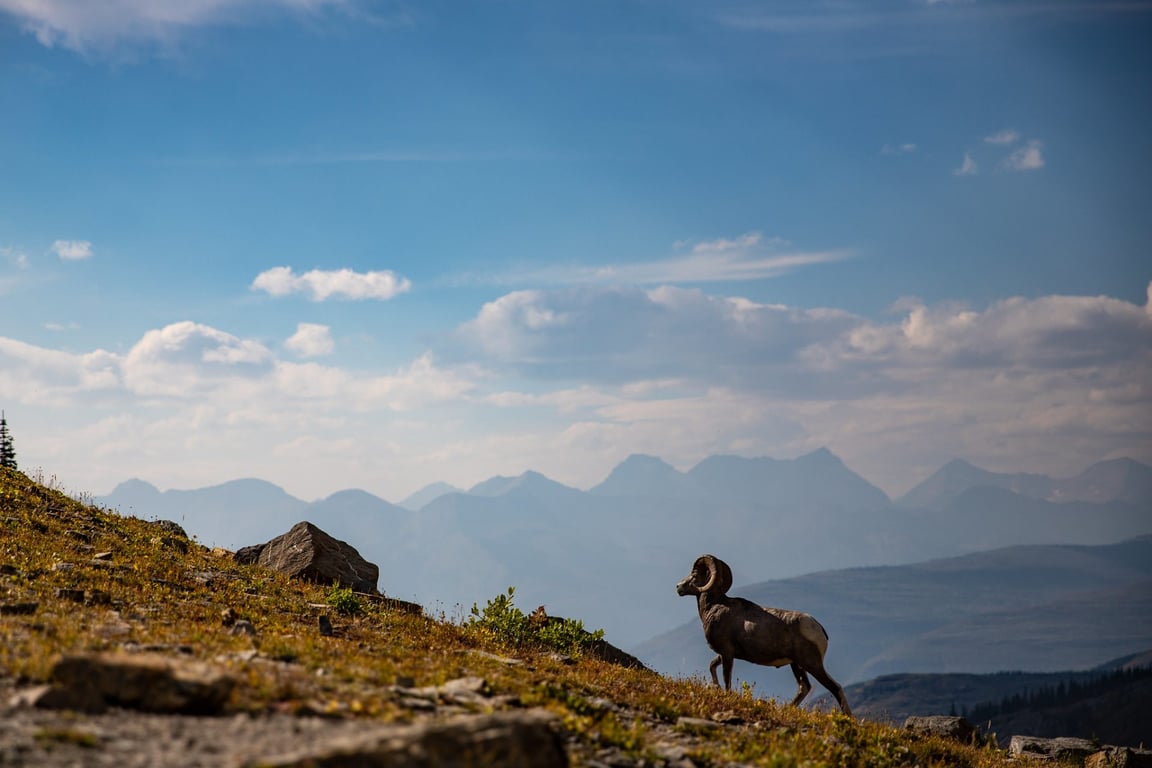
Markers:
point(1029, 157)
point(1006, 136)
point(967, 167)
point(748, 257)
point(72, 250)
point(320, 285)
point(83, 24)
point(570, 380)
point(311, 340)
point(14, 256)
point(898, 149)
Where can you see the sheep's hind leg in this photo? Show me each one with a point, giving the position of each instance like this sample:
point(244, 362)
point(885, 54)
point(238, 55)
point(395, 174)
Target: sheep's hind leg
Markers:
point(826, 680)
point(803, 682)
point(712, 668)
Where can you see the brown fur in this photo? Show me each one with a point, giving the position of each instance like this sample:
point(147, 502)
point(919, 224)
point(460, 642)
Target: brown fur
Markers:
point(739, 629)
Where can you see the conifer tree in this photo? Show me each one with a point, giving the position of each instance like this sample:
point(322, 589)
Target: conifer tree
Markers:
point(7, 451)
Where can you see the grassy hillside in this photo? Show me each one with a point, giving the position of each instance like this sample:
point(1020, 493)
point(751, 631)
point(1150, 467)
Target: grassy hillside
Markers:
point(146, 586)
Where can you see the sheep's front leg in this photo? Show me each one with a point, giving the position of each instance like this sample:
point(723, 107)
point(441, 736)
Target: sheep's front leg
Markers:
point(712, 668)
point(803, 682)
point(728, 672)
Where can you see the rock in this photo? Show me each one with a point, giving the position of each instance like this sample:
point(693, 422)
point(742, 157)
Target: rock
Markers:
point(98, 597)
point(170, 528)
point(728, 717)
point(944, 726)
point(695, 724)
point(1120, 757)
point(172, 542)
point(144, 681)
point(228, 617)
point(463, 690)
point(504, 740)
point(1063, 748)
point(75, 595)
point(243, 627)
point(18, 609)
point(325, 625)
point(306, 552)
point(102, 556)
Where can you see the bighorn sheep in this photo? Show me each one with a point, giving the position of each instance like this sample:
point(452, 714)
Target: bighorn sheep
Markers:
point(739, 629)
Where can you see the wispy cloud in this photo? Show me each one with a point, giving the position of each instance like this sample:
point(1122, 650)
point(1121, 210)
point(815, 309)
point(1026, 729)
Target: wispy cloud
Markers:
point(748, 257)
point(898, 149)
point(1029, 157)
point(14, 256)
point(72, 250)
point(1006, 136)
point(967, 168)
point(320, 285)
point(82, 25)
point(311, 340)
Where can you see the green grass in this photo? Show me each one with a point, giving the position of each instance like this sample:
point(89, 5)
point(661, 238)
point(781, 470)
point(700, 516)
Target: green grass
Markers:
point(160, 595)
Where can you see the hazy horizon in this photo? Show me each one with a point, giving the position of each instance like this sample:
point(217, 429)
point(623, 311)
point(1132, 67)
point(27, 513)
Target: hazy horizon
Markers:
point(372, 244)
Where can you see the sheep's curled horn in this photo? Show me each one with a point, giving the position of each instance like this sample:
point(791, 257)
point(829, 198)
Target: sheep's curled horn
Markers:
point(719, 574)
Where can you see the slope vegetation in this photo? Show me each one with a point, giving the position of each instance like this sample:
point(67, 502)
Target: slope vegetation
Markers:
point(76, 579)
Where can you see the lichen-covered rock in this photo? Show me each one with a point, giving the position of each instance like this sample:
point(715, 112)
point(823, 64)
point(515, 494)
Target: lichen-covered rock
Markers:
point(945, 726)
point(143, 681)
point(504, 740)
point(306, 552)
point(1063, 748)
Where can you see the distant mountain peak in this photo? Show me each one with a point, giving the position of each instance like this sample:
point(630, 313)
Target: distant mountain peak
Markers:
point(135, 485)
point(530, 480)
point(640, 475)
point(427, 495)
point(821, 455)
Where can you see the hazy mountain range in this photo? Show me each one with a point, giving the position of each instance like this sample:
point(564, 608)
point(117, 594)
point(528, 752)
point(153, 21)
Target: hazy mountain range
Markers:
point(611, 555)
point(1111, 702)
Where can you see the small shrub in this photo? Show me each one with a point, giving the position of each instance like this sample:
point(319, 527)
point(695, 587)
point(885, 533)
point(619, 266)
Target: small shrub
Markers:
point(344, 601)
point(512, 627)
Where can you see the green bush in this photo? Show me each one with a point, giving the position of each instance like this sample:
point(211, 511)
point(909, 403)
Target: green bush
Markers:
point(344, 601)
point(512, 627)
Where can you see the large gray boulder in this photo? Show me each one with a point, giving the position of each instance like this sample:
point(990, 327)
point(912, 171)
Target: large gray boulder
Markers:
point(306, 552)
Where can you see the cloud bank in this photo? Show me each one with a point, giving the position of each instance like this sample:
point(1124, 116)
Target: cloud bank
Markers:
point(321, 285)
point(571, 380)
point(84, 24)
point(72, 250)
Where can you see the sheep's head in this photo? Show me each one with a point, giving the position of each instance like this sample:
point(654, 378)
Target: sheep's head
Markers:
point(709, 574)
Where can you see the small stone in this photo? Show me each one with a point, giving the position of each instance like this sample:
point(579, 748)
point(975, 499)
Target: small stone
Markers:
point(62, 567)
point(244, 627)
point(18, 609)
point(7, 569)
point(98, 597)
point(102, 556)
point(944, 726)
point(75, 595)
point(695, 724)
point(405, 681)
point(228, 617)
point(728, 718)
point(325, 626)
point(171, 528)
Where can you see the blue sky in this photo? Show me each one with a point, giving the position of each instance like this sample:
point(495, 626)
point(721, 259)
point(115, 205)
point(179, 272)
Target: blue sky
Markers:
point(340, 243)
